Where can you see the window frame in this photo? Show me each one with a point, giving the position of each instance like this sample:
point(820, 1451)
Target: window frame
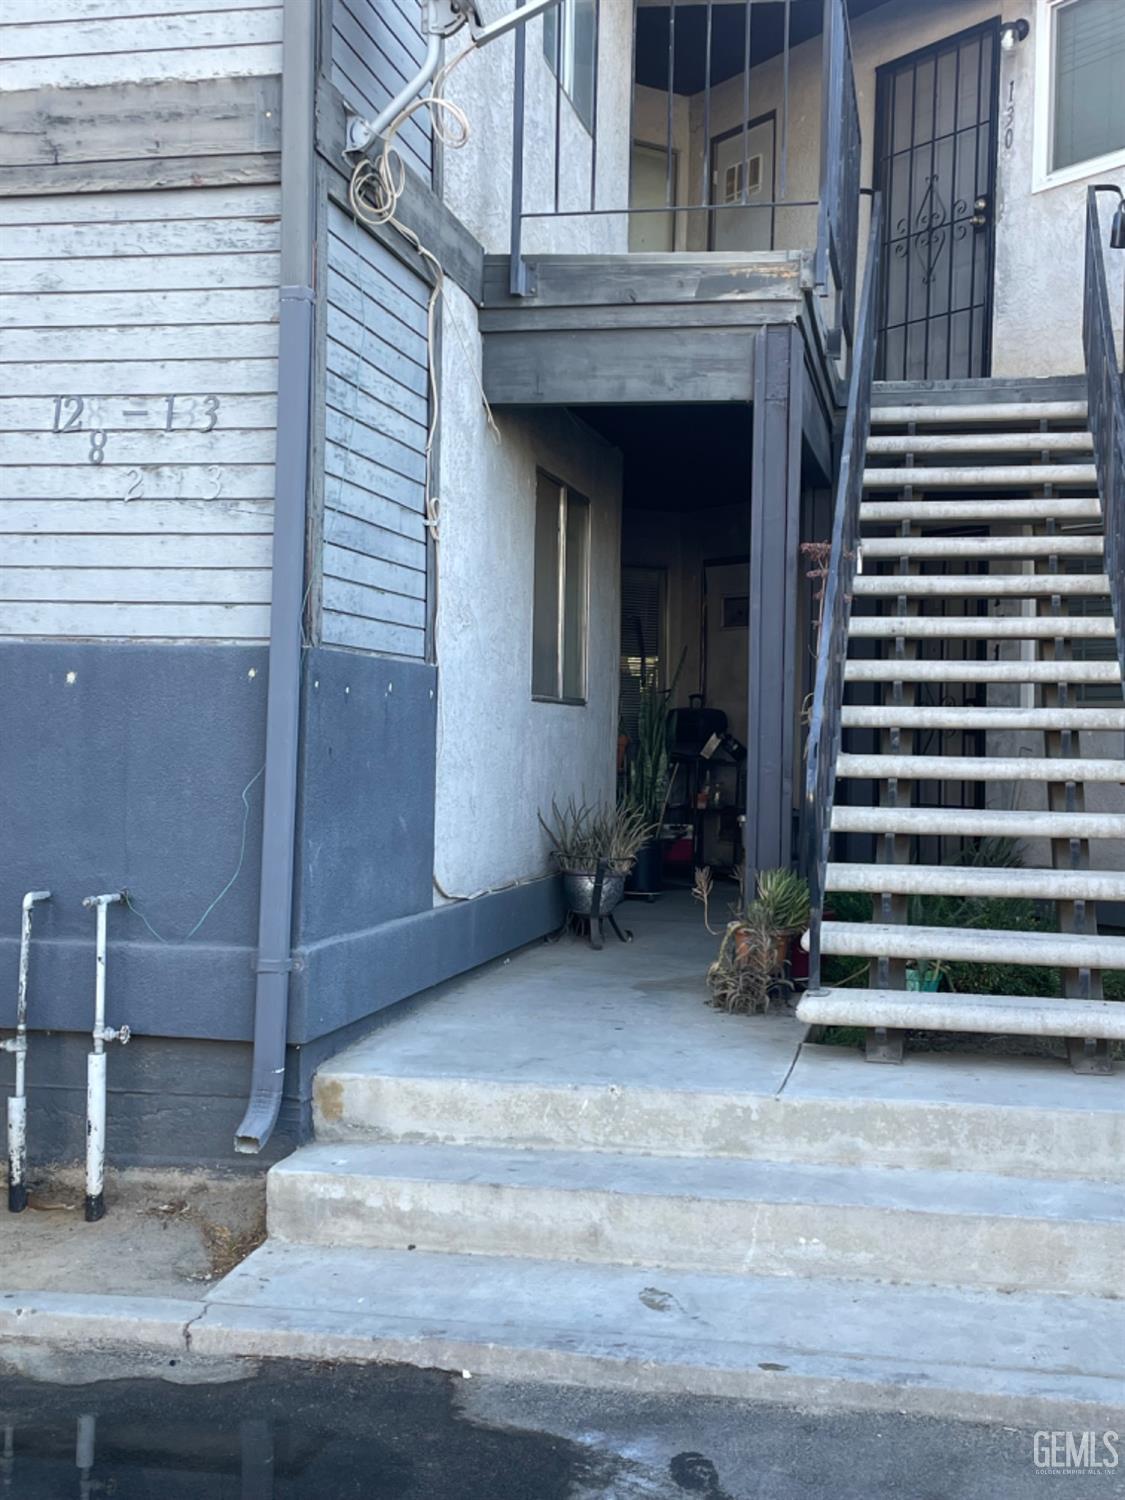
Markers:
point(566, 491)
point(1044, 176)
point(564, 15)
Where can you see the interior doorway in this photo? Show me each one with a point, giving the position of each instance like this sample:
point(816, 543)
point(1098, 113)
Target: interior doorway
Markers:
point(936, 116)
point(743, 169)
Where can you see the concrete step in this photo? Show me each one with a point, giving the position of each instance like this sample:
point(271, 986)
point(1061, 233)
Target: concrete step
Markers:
point(973, 822)
point(905, 670)
point(992, 413)
point(970, 880)
point(892, 716)
point(720, 1216)
point(980, 546)
point(1004, 1115)
point(982, 476)
point(980, 442)
point(995, 1015)
point(980, 585)
point(1044, 1361)
point(931, 512)
point(979, 768)
point(982, 627)
point(1067, 950)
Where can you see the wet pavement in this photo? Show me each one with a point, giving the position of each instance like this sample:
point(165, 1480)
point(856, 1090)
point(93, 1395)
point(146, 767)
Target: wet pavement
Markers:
point(246, 1431)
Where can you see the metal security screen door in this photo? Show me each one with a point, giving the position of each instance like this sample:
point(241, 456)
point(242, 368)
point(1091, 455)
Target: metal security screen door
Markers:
point(935, 144)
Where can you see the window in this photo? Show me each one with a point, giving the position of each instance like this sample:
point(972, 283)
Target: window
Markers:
point(560, 607)
point(1080, 101)
point(570, 47)
point(643, 593)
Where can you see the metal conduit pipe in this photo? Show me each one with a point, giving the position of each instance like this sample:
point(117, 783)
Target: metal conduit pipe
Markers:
point(17, 1102)
point(294, 394)
point(96, 1067)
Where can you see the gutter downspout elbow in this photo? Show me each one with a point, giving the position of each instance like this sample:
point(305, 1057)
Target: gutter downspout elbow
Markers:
point(273, 962)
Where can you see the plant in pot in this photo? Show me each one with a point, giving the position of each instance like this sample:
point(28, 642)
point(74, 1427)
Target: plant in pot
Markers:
point(584, 837)
point(650, 779)
point(752, 955)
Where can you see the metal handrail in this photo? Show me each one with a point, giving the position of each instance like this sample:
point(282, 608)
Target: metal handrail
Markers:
point(825, 727)
point(837, 253)
point(1106, 412)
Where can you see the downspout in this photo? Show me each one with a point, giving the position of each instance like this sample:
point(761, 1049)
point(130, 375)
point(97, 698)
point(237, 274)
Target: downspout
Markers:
point(273, 961)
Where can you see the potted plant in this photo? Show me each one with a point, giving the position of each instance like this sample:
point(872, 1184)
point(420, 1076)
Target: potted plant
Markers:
point(755, 946)
point(650, 778)
point(584, 837)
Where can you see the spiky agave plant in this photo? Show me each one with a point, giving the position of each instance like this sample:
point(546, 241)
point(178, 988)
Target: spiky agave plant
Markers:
point(582, 835)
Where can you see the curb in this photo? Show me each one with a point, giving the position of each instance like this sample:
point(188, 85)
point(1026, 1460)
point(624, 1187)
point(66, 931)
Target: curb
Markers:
point(211, 1330)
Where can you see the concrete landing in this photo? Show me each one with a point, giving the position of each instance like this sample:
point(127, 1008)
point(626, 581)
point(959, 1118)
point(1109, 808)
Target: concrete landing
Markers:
point(563, 1048)
point(1054, 1361)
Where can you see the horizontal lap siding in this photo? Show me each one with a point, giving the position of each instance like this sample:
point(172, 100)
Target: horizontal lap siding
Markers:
point(374, 554)
point(118, 527)
point(377, 47)
point(83, 43)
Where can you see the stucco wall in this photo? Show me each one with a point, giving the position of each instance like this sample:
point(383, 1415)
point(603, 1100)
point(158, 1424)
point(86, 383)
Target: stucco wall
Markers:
point(501, 757)
point(477, 178)
point(1037, 328)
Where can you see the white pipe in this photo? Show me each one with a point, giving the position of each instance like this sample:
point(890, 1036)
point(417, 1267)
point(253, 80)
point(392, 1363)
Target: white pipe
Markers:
point(17, 1104)
point(96, 1069)
point(85, 1453)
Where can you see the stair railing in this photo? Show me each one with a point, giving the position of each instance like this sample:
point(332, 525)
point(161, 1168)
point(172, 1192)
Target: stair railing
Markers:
point(823, 742)
point(1106, 411)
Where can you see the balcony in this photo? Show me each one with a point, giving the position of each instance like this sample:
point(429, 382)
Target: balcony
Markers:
point(740, 209)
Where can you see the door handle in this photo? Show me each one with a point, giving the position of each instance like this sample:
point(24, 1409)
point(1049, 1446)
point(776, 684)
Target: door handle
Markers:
point(981, 206)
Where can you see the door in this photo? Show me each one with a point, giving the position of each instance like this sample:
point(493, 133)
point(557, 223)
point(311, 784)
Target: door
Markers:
point(742, 170)
point(935, 149)
point(649, 190)
point(726, 641)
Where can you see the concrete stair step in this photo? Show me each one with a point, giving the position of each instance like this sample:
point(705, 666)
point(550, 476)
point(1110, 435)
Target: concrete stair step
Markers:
point(980, 442)
point(999, 1115)
point(897, 716)
point(1046, 1361)
point(932, 512)
point(980, 546)
point(979, 585)
point(981, 476)
point(999, 1015)
point(973, 822)
point(979, 768)
point(992, 413)
point(918, 670)
point(1068, 950)
point(968, 880)
point(721, 1216)
point(982, 627)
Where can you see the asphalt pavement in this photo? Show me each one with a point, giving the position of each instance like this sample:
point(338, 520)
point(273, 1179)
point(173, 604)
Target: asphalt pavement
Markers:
point(93, 1423)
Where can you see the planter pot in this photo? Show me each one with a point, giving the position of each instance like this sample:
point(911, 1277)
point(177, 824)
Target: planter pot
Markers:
point(780, 947)
point(578, 887)
point(647, 875)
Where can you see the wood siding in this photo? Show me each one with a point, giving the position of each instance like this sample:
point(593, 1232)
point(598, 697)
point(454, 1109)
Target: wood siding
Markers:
point(79, 43)
point(138, 380)
point(376, 399)
point(377, 47)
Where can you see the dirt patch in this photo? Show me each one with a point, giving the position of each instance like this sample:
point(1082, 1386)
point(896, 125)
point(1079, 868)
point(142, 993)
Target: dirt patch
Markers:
point(164, 1233)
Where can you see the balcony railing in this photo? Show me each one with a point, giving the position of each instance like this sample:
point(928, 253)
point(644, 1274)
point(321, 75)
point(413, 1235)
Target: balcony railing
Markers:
point(696, 67)
point(1106, 411)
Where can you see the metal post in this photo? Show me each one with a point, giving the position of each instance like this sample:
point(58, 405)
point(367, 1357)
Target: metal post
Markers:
point(85, 1453)
point(96, 1067)
point(775, 501)
point(17, 1104)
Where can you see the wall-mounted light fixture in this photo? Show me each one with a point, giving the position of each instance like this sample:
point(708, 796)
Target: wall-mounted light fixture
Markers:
point(1012, 32)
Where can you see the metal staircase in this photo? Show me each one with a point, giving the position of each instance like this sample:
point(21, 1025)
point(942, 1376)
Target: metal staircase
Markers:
point(969, 689)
